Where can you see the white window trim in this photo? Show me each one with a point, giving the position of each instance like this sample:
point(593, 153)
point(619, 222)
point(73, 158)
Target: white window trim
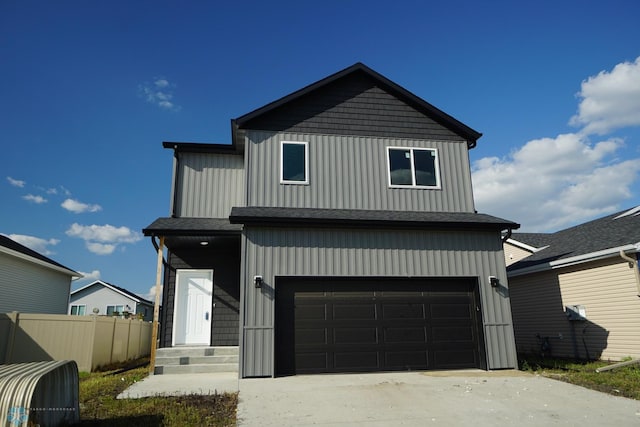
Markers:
point(78, 305)
point(436, 163)
point(306, 162)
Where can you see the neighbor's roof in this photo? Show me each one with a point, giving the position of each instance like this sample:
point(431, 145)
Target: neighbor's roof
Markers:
point(595, 239)
point(115, 288)
point(393, 88)
point(366, 218)
point(14, 248)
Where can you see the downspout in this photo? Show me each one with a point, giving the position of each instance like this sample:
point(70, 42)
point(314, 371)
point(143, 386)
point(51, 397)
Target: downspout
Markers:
point(507, 236)
point(633, 263)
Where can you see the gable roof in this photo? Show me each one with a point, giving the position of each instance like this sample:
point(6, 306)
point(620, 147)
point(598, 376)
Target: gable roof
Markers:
point(399, 92)
point(600, 238)
point(115, 288)
point(11, 247)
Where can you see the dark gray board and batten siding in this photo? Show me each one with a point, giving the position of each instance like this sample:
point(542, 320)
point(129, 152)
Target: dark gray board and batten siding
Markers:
point(289, 252)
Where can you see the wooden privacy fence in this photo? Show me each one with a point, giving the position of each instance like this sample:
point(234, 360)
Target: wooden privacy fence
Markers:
point(91, 341)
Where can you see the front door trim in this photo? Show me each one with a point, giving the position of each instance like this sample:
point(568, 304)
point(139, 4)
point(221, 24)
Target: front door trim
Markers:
point(177, 302)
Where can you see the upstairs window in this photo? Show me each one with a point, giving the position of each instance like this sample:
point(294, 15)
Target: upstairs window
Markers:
point(413, 167)
point(294, 163)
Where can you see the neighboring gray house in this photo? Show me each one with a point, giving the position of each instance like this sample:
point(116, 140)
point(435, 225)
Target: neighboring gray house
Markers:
point(578, 289)
point(30, 282)
point(337, 233)
point(104, 298)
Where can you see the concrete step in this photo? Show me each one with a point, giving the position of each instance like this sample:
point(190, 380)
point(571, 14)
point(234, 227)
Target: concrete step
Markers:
point(196, 360)
point(196, 351)
point(195, 369)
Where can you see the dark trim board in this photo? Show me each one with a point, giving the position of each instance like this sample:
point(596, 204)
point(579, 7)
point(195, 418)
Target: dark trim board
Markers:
point(369, 324)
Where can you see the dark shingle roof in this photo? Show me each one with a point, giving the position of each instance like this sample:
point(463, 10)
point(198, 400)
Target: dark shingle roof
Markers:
point(612, 231)
point(15, 246)
point(190, 227)
point(411, 99)
point(366, 218)
point(535, 240)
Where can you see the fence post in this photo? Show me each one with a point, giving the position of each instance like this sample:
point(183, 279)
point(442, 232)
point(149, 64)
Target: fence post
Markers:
point(14, 316)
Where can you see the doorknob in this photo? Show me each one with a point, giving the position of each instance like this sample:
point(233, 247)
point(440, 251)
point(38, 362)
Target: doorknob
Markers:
point(206, 316)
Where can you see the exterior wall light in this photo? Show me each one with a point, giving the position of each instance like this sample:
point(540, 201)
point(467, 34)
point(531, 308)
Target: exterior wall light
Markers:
point(257, 281)
point(493, 280)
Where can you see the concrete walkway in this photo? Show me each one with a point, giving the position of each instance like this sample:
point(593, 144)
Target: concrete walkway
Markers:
point(460, 398)
point(176, 385)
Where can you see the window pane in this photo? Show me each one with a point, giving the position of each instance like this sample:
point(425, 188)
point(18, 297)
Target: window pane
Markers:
point(81, 310)
point(293, 162)
point(400, 167)
point(425, 165)
point(74, 309)
point(110, 310)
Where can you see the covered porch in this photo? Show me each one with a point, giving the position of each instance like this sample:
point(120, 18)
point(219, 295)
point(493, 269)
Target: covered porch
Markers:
point(201, 280)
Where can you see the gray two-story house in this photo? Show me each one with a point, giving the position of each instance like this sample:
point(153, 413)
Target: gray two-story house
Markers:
point(336, 233)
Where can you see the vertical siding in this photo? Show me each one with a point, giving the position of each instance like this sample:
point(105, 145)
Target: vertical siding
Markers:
point(351, 172)
point(608, 291)
point(31, 288)
point(209, 185)
point(272, 252)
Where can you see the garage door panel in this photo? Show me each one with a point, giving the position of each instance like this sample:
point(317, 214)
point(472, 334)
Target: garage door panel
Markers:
point(311, 336)
point(405, 335)
point(355, 336)
point(403, 311)
point(405, 360)
point(356, 361)
point(354, 311)
point(356, 325)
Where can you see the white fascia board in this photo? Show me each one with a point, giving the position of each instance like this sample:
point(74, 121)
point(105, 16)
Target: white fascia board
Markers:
point(579, 259)
point(40, 262)
point(525, 246)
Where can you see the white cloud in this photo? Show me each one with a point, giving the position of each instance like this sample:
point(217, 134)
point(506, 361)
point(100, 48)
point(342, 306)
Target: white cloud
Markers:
point(35, 243)
point(103, 239)
point(16, 182)
point(52, 191)
point(151, 295)
point(610, 100)
point(79, 207)
point(551, 183)
point(100, 248)
point(90, 277)
point(35, 199)
point(160, 93)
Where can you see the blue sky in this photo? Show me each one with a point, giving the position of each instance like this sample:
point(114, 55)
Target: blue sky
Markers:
point(89, 90)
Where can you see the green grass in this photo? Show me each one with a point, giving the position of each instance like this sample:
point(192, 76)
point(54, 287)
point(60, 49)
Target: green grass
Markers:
point(624, 381)
point(99, 406)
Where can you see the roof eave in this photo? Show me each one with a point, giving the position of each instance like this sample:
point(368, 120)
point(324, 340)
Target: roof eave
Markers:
point(578, 259)
point(42, 263)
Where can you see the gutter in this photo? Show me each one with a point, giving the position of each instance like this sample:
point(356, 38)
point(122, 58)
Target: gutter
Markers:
point(579, 259)
point(633, 263)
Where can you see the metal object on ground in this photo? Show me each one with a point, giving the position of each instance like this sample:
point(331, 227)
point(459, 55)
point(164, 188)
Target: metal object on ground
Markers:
point(44, 393)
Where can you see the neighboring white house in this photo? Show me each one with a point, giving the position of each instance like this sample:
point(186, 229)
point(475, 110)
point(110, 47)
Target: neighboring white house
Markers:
point(30, 282)
point(104, 298)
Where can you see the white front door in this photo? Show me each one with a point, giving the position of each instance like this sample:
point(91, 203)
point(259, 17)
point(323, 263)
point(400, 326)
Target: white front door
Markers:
point(192, 311)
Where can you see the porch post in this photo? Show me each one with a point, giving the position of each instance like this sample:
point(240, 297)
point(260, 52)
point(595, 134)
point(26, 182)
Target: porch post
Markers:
point(156, 308)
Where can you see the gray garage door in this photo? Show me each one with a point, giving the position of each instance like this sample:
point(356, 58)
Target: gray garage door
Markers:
point(376, 324)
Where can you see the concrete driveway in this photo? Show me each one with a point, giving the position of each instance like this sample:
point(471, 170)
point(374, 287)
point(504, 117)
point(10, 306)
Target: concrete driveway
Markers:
point(460, 398)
